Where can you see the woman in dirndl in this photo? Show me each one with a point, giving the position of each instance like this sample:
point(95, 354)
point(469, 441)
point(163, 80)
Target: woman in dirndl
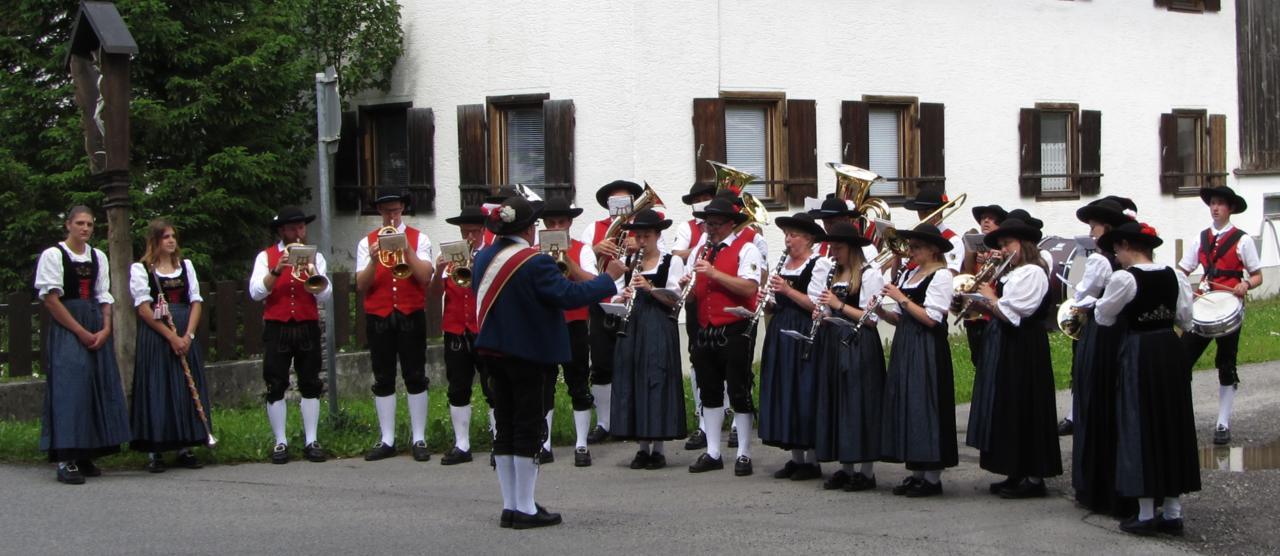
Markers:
point(166, 295)
point(1156, 456)
point(648, 385)
point(84, 405)
point(788, 381)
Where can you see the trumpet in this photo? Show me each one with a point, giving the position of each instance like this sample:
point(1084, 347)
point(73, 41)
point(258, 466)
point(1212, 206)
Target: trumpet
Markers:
point(311, 279)
point(990, 271)
point(394, 260)
point(636, 261)
point(768, 296)
point(459, 255)
point(688, 286)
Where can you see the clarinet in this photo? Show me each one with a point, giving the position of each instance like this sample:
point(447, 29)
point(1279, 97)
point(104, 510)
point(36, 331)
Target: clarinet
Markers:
point(866, 315)
point(688, 286)
point(768, 298)
point(817, 321)
point(636, 262)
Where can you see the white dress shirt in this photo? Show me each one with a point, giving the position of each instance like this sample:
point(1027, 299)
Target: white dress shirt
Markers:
point(1123, 288)
point(956, 255)
point(140, 282)
point(1245, 249)
point(761, 248)
point(423, 250)
point(872, 285)
point(49, 272)
point(257, 280)
point(1023, 292)
point(937, 299)
point(1097, 270)
point(674, 272)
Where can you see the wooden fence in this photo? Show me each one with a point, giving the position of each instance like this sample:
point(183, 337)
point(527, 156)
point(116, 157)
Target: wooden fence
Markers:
point(230, 324)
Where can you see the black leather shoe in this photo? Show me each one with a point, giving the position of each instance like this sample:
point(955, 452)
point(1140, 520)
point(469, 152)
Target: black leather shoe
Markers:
point(455, 456)
point(420, 451)
point(697, 440)
point(836, 481)
point(188, 460)
point(544, 457)
point(155, 465)
point(1024, 489)
point(313, 452)
point(787, 470)
point(923, 488)
point(504, 520)
point(656, 461)
point(70, 474)
point(995, 488)
point(1065, 427)
point(493, 461)
point(1137, 526)
point(88, 469)
point(859, 482)
point(742, 466)
point(280, 454)
point(597, 435)
point(543, 518)
point(733, 438)
point(906, 485)
point(807, 472)
point(706, 463)
point(380, 451)
point(581, 457)
point(641, 460)
point(1221, 435)
point(1169, 526)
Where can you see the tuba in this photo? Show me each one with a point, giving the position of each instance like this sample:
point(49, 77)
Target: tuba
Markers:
point(394, 260)
point(312, 281)
point(853, 184)
point(735, 180)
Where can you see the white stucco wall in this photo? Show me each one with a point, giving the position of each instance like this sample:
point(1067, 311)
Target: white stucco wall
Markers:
point(633, 68)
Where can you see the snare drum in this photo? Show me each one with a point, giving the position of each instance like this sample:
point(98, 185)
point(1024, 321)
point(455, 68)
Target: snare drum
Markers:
point(1216, 314)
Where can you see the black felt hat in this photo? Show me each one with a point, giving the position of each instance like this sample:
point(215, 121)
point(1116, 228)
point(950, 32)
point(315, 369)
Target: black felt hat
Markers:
point(833, 207)
point(602, 194)
point(1026, 218)
point(647, 219)
point(1132, 232)
point(927, 233)
point(1107, 211)
point(387, 195)
point(1012, 227)
point(515, 215)
point(846, 233)
point(801, 221)
point(1237, 202)
point(926, 199)
point(289, 215)
point(994, 210)
point(721, 206)
point(698, 189)
point(469, 215)
point(560, 206)
point(1124, 202)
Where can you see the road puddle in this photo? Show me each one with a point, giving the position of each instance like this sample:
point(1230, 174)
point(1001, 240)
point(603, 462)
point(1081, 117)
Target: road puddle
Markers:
point(1241, 458)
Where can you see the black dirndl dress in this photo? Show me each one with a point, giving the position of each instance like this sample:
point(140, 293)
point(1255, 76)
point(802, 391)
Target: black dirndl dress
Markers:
point(918, 423)
point(788, 384)
point(163, 415)
point(1093, 453)
point(850, 389)
point(648, 383)
point(1157, 453)
point(85, 415)
point(1013, 419)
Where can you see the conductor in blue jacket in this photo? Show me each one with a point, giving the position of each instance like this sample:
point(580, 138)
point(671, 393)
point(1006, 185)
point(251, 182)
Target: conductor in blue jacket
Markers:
point(520, 301)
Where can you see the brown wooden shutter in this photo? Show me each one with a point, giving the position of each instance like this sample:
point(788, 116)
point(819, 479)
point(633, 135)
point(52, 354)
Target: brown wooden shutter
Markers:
point(708, 137)
point(1029, 152)
point(855, 143)
point(421, 126)
point(557, 130)
point(473, 160)
point(1212, 5)
point(1162, 3)
point(346, 164)
point(932, 145)
point(802, 144)
point(1090, 179)
point(1217, 150)
point(1169, 153)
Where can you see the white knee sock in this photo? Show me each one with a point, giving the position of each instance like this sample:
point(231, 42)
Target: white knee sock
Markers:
point(715, 420)
point(656, 448)
point(934, 477)
point(644, 445)
point(507, 480)
point(310, 408)
point(461, 417)
point(581, 425)
point(546, 442)
point(811, 456)
point(276, 412)
point(1071, 409)
point(1146, 508)
point(797, 456)
point(386, 406)
point(602, 394)
point(1173, 508)
point(418, 416)
point(868, 469)
point(1226, 397)
point(742, 422)
point(526, 483)
point(493, 424)
point(697, 401)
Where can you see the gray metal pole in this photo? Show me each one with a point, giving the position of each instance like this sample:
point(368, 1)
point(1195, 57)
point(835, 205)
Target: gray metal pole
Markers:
point(326, 87)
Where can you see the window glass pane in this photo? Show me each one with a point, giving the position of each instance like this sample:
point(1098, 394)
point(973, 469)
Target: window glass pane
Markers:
point(393, 149)
point(525, 161)
point(1189, 149)
point(1053, 149)
point(746, 142)
point(884, 138)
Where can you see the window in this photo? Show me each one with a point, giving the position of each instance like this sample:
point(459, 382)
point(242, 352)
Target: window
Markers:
point(525, 139)
point(898, 138)
point(1192, 151)
point(1195, 6)
point(761, 133)
point(1060, 151)
point(385, 146)
point(1257, 44)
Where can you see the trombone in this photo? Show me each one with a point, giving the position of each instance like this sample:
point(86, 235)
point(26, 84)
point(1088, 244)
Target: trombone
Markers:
point(394, 260)
point(305, 271)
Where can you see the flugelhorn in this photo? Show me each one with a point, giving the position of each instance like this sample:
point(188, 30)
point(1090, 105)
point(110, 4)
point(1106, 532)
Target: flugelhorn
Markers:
point(990, 272)
point(459, 256)
point(647, 200)
point(306, 272)
point(556, 244)
point(393, 260)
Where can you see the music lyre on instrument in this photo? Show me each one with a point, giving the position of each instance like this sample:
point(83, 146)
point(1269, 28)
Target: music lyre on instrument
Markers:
point(391, 247)
point(556, 244)
point(302, 258)
point(457, 255)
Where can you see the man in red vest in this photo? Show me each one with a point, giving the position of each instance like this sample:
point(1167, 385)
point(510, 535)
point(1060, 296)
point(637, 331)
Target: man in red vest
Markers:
point(461, 363)
point(290, 333)
point(928, 200)
point(396, 325)
point(727, 276)
point(988, 219)
point(1230, 263)
point(689, 237)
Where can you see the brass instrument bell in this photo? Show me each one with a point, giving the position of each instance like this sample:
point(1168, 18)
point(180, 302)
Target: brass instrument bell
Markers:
point(394, 260)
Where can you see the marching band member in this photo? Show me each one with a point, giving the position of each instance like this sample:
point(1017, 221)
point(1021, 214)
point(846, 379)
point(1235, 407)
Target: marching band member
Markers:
point(1230, 263)
point(396, 323)
point(927, 201)
point(850, 379)
point(688, 237)
point(163, 415)
point(604, 328)
point(1012, 420)
point(84, 404)
point(728, 276)
point(1093, 374)
point(988, 218)
point(788, 381)
point(648, 390)
point(521, 297)
point(290, 334)
point(557, 215)
point(918, 425)
point(1026, 218)
point(835, 210)
point(1157, 453)
point(461, 364)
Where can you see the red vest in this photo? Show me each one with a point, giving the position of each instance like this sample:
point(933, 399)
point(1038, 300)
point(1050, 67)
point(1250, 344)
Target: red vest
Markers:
point(1222, 267)
point(713, 298)
point(289, 300)
point(947, 234)
point(459, 309)
point(575, 254)
point(823, 248)
point(695, 233)
point(389, 292)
